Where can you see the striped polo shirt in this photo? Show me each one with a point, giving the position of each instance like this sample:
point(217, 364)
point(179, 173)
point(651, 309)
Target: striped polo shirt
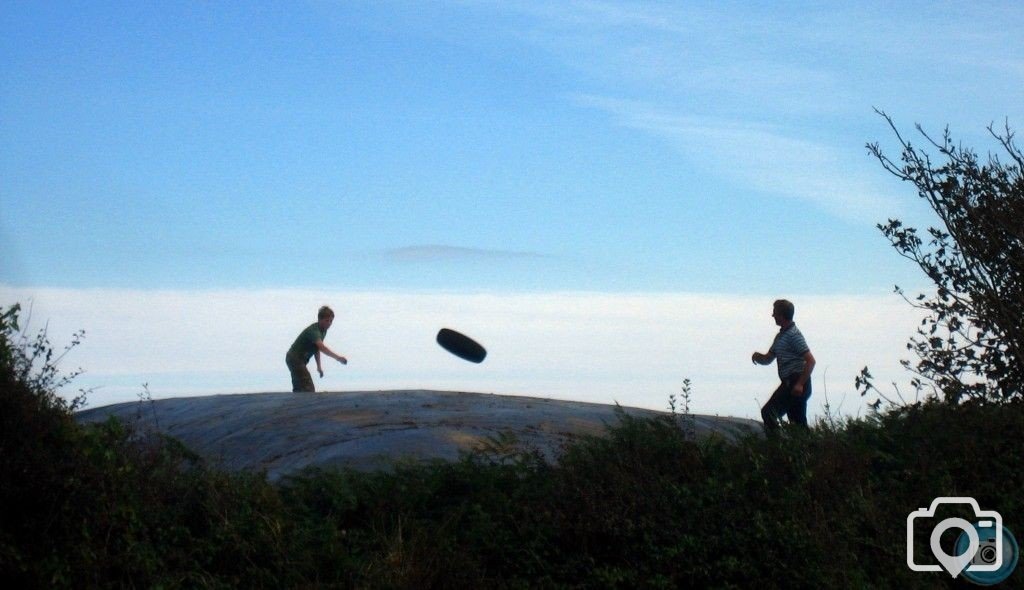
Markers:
point(789, 348)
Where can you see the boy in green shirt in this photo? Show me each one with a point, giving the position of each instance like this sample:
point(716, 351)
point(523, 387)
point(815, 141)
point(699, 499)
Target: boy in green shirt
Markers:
point(310, 343)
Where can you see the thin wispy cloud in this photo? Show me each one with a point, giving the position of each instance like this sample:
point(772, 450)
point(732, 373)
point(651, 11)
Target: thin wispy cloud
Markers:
point(720, 58)
point(763, 157)
point(705, 79)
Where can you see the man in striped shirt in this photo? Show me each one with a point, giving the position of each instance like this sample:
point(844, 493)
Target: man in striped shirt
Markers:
point(795, 365)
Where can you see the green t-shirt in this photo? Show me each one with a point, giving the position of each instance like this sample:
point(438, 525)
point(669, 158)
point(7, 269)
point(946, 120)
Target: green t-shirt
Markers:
point(305, 345)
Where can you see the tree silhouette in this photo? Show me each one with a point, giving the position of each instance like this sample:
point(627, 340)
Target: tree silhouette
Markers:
point(971, 343)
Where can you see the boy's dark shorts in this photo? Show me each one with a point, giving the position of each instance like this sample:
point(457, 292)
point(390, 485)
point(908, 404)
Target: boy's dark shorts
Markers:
point(302, 381)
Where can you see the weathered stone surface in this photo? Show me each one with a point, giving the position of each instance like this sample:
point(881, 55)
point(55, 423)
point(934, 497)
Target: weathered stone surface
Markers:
point(285, 432)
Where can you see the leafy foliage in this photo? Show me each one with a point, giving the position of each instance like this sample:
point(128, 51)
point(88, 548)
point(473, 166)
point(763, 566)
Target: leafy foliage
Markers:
point(105, 506)
point(31, 360)
point(971, 344)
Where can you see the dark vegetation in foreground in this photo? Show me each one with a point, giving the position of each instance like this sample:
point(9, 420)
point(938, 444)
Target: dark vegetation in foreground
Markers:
point(646, 506)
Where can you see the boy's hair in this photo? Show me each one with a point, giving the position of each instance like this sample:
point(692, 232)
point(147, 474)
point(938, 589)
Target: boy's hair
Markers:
point(325, 312)
point(785, 308)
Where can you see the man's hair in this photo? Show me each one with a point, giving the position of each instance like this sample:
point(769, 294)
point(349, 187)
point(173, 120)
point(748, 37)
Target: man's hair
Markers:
point(325, 312)
point(785, 308)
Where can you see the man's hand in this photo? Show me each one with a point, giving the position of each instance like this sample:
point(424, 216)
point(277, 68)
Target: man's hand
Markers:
point(321, 371)
point(342, 360)
point(757, 358)
point(798, 389)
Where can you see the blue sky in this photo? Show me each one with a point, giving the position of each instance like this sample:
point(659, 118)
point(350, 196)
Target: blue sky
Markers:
point(511, 148)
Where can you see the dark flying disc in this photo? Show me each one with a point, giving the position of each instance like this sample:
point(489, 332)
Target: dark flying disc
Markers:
point(461, 345)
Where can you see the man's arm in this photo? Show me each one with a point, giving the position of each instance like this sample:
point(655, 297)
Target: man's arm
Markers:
point(321, 347)
point(809, 362)
point(762, 359)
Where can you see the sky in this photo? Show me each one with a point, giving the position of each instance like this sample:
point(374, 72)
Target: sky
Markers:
point(607, 195)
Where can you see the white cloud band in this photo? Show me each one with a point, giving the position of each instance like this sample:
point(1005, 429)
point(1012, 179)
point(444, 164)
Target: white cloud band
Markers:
point(635, 349)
